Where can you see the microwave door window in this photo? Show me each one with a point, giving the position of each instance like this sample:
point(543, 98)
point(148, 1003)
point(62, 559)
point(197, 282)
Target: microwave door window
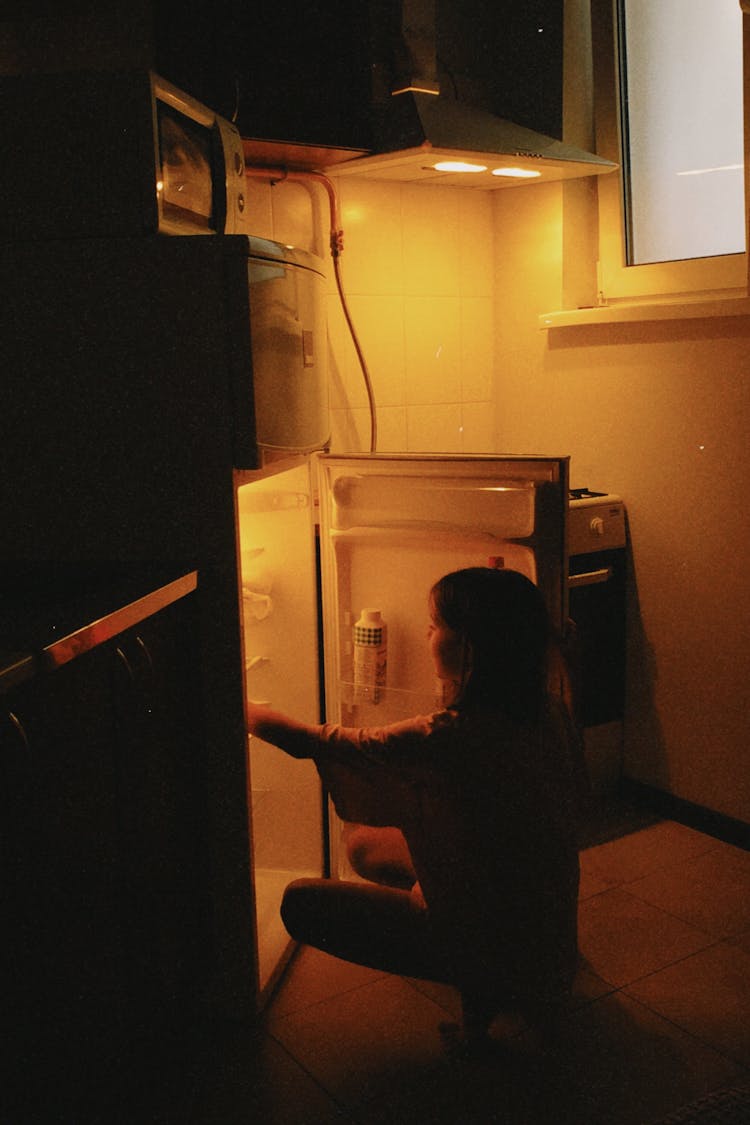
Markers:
point(186, 181)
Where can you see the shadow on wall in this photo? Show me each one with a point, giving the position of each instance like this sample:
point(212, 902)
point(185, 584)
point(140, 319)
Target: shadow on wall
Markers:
point(644, 757)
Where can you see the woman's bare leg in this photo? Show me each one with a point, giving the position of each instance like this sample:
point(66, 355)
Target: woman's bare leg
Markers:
point(380, 927)
point(381, 855)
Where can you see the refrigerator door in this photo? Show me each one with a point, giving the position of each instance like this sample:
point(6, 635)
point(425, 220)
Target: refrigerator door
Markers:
point(276, 545)
point(391, 526)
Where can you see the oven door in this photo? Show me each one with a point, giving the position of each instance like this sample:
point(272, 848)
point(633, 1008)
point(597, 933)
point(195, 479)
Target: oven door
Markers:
point(596, 592)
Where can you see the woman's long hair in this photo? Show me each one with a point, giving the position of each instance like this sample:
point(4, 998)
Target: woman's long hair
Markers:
point(503, 621)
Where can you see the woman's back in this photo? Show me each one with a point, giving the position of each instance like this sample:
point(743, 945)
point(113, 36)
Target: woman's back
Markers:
point(492, 832)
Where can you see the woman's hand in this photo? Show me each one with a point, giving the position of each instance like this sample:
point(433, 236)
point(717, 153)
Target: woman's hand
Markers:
point(293, 737)
point(255, 714)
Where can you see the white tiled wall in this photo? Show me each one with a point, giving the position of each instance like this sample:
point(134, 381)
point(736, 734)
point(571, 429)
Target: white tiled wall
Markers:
point(417, 271)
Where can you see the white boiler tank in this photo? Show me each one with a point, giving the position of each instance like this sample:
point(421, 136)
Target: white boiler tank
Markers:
point(289, 349)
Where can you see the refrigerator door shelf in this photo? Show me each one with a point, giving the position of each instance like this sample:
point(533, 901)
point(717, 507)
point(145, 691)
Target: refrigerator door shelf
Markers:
point(487, 545)
point(372, 502)
point(394, 703)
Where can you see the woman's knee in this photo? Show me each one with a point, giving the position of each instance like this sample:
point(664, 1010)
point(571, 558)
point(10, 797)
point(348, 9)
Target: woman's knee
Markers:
point(298, 907)
point(359, 846)
point(380, 854)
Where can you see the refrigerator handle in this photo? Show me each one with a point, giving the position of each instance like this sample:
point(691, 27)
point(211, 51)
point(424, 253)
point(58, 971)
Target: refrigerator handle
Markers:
point(590, 578)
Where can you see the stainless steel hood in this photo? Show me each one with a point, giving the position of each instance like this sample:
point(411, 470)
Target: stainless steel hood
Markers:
point(419, 131)
point(432, 46)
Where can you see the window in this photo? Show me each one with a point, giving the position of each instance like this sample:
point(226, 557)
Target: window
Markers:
point(668, 101)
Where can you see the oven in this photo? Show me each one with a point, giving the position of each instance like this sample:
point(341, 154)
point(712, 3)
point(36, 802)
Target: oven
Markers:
point(596, 590)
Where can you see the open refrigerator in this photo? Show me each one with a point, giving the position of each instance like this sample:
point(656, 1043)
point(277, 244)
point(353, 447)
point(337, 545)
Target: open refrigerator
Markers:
point(318, 540)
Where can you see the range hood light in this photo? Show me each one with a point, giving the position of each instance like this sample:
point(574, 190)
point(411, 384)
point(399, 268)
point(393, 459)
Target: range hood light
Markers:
point(458, 166)
point(517, 173)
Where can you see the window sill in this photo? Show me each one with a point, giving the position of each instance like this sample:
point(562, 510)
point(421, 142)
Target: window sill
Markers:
point(640, 312)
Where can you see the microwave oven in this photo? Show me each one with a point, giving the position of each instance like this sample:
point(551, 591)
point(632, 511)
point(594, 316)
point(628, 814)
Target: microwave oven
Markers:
point(115, 154)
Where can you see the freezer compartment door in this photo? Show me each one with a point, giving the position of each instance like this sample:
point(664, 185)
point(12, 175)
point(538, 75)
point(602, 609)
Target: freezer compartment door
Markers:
point(391, 526)
point(278, 592)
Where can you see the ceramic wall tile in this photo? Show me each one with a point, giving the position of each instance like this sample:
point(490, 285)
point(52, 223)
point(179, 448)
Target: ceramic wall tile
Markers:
point(392, 429)
point(372, 260)
point(345, 391)
point(476, 243)
point(433, 349)
point(350, 431)
point(477, 349)
point(478, 427)
point(379, 325)
point(434, 428)
point(432, 240)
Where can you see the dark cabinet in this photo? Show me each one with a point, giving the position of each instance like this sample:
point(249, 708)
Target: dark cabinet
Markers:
point(319, 73)
point(103, 838)
point(160, 795)
point(59, 828)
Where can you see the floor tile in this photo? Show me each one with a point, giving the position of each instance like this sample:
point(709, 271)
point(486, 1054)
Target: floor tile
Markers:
point(248, 1077)
point(622, 938)
point(443, 995)
point(593, 882)
point(619, 1063)
point(743, 940)
point(316, 976)
point(639, 854)
point(707, 995)
point(362, 1042)
point(711, 891)
point(587, 986)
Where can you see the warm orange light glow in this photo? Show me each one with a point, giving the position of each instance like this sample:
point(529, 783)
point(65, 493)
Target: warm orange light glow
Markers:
point(520, 173)
point(417, 87)
point(458, 166)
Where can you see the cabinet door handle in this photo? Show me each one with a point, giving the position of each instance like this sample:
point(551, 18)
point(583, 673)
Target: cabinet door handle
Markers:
point(145, 650)
point(125, 663)
point(590, 578)
point(18, 729)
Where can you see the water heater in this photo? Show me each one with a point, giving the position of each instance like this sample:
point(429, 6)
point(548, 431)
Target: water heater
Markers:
point(289, 349)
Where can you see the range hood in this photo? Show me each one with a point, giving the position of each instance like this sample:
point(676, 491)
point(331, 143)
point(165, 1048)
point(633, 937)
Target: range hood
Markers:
point(420, 131)
point(417, 124)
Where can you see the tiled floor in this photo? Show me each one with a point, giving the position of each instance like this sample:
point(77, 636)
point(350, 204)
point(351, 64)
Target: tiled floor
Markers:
point(660, 1015)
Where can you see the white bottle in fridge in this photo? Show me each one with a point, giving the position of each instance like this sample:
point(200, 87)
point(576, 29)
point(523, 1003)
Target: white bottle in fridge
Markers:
point(370, 656)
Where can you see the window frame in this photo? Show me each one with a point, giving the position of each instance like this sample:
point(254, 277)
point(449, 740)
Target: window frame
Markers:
point(725, 275)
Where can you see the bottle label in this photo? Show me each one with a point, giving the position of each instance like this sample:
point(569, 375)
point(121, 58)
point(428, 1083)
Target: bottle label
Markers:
point(369, 671)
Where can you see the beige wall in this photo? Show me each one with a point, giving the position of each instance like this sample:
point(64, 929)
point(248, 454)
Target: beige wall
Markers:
point(446, 286)
point(659, 413)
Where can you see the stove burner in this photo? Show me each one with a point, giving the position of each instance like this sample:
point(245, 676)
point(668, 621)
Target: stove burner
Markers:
point(584, 493)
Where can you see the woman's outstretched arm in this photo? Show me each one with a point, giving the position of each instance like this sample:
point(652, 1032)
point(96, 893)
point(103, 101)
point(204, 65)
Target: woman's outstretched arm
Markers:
point(295, 738)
